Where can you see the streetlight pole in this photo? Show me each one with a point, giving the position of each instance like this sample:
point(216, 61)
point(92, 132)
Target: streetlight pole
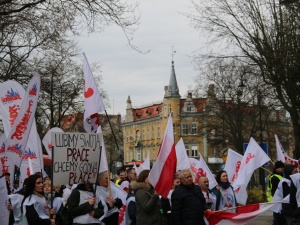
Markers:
point(261, 171)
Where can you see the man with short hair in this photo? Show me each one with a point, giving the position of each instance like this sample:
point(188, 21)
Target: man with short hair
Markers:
point(131, 176)
point(112, 202)
point(273, 181)
point(209, 196)
point(188, 202)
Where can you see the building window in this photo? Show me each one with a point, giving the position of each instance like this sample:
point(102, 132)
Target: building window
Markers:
point(185, 129)
point(158, 132)
point(170, 109)
point(194, 128)
point(138, 155)
point(131, 138)
point(127, 155)
point(178, 109)
point(127, 138)
point(148, 134)
point(189, 108)
point(152, 132)
point(131, 155)
point(148, 153)
point(143, 134)
point(153, 153)
point(194, 151)
point(187, 150)
point(166, 110)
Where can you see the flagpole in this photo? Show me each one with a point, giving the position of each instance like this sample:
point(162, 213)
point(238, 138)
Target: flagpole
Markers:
point(265, 169)
point(97, 177)
point(115, 139)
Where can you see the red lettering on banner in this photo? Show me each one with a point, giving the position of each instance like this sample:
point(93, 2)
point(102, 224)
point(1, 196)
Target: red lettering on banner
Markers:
point(22, 126)
point(16, 149)
point(10, 98)
point(50, 146)
point(249, 157)
point(28, 171)
point(5, 168)
point(13, 113)
point(2, 149)
point(237, 168)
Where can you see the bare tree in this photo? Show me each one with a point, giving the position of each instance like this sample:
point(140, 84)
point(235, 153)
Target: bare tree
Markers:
point(264, 33)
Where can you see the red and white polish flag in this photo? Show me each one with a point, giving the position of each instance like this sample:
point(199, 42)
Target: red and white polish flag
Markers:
point(161, 175)
point(243, 216)
point(93, 103)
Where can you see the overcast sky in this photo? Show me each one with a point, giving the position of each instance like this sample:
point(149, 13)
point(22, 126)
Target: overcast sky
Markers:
point(143, 76)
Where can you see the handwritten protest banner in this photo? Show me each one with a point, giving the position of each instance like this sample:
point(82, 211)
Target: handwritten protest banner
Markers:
point(76, 157)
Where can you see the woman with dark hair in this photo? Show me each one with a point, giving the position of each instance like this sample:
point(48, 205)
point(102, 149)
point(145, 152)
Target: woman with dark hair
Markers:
point(84, 207)
point(34, 205)
point(224, 193)
point(146, 201)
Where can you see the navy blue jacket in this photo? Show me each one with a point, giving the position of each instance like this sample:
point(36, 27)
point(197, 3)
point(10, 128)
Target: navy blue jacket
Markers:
point(188, 205)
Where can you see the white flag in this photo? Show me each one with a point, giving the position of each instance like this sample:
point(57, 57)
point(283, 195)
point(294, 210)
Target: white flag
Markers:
point(93, 103)
point(47, 140)
point(103, 163)
point(232, 165)
point(144, 166)
point(182, 157)
point(199, 168)
point(18, 136)
point(253, 158)
point(282, 155)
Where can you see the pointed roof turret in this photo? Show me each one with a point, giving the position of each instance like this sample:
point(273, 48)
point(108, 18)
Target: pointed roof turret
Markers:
point(129, 105)
point(172, 90)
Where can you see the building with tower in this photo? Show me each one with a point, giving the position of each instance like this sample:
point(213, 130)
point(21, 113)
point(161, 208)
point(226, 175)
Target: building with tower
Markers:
point(144, 127)
point(206, 125)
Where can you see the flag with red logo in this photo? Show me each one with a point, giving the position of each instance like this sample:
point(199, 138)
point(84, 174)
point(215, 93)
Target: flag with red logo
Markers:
point(182, 157)
point(4, 168)
point(244, 214)
point(161, 175)
point(253, 158)
point(11, 95)
point(282, 155)
point(93, 103)
point(199, 168)
point(15, 147)
point(121, 195)
point(47, 140)
point(232, 167)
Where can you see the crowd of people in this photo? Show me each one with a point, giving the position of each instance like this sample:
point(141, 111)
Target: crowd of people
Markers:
point(185, 204)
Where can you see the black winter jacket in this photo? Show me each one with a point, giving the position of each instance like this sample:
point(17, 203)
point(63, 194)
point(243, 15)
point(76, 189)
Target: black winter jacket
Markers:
point(188, 205)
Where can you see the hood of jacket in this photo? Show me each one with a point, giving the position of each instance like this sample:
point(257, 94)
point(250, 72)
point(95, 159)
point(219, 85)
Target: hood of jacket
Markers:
point(134, 185)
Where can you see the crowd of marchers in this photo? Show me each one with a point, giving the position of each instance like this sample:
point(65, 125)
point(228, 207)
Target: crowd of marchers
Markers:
point(91, 204)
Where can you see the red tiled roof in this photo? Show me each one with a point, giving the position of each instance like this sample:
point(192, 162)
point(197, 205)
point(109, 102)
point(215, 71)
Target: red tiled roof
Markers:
point(147, 112)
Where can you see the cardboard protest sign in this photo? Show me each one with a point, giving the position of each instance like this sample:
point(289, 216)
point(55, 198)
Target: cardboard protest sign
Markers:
point(76, 157)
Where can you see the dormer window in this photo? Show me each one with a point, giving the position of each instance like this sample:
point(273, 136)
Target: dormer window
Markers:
point(189, 108)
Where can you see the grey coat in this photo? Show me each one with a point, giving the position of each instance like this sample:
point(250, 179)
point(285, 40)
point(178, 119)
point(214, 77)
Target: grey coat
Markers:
point(147, 204)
